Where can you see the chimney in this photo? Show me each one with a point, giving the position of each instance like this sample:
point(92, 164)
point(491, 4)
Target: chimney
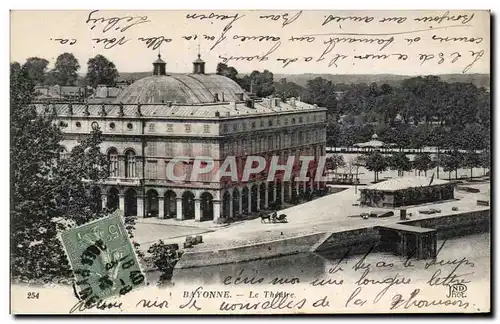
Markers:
point(217, 114)
point(223, 97)
point(240, 96)
point(292, 101)
point(276, 102)
point(228, 114)
point(250, 103)
point(216, 97)
point(121, 112)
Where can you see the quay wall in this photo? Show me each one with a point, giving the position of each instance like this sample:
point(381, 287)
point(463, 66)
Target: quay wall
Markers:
point(447, 226)
point(456, 225)
point(336, 244)
point(249, 252)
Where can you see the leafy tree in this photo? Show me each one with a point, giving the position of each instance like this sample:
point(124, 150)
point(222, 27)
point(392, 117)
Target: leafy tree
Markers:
point(451, 162)
point(334, 162)
point(375, 162)
point(15, 67)
point(399, 161)
point(423, 162)
point(286, 90)
point(471, 160)
point(47, 191)
point(101, 71)
point(36, 68)
point(485, 160)
point(321, 92)
point(227, 71)
point(65, 70)
point(260, 83)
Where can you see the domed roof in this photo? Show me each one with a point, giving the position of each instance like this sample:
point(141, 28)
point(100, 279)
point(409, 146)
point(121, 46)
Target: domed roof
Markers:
point(181, 88)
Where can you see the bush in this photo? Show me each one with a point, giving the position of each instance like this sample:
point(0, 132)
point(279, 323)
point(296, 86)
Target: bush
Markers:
point(164, 257)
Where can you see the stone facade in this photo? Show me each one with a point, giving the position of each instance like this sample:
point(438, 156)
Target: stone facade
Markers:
point(141, 139)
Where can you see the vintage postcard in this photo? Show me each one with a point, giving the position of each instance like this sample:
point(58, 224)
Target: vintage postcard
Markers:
point(250, 162)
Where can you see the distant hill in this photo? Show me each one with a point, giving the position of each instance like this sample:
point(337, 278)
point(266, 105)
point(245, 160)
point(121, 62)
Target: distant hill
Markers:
point(480, 80)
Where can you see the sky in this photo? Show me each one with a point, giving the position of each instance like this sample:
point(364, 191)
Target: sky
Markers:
point(345, 42)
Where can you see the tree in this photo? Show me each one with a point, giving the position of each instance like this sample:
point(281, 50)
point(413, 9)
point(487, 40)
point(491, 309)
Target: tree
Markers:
point(471, 160)
point(227, 71)
point(101, 71)
point(334, 162)
point(451, 162)
point(260, 83)
point(485, 160)
point(423, 162)
point(399, 161)
point(375, 162)
point(64, 73)
point(321, 92)
point(47, 191)
point(286, 90)
point(36, 68)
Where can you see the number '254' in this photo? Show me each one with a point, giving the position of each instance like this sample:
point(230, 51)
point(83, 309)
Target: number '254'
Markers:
point(33, 295)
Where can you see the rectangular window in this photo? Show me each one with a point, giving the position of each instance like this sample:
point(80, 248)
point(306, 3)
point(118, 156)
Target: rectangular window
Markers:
point(169, 149)
point(152, 170)
point(205, 149)
point(188, 149)
point(151, 149)
point(225, 128)
point(206, 128)
point(188, 128)
point(235, 148)
point(170, 128)
point(235, 127)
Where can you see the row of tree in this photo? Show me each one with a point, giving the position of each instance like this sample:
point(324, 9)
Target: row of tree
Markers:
point(399, 161)
point(420, 111)
point(65, 72)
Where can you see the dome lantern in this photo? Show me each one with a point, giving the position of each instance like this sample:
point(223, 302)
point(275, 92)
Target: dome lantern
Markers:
point(199, 65)
point(159, 66)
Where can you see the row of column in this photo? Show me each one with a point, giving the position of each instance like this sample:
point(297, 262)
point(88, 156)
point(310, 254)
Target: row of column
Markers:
point(313, 185)
point(161, 207)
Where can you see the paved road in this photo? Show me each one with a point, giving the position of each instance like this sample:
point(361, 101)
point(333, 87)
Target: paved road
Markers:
point(325, 214)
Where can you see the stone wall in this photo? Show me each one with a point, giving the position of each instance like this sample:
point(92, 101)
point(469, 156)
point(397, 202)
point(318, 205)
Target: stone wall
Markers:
point(456, 225)
point(249, 252)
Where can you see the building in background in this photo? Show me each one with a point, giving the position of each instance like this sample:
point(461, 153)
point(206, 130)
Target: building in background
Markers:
point(164, 116)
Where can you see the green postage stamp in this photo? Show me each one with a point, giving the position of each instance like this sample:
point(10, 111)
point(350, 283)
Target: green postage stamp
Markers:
point(103, 259)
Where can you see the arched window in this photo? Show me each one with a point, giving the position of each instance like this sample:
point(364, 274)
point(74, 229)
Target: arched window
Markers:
point(63, 153)
point(130, 166)
point(113, 163)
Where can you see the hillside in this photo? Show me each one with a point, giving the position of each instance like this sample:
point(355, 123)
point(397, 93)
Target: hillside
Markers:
point(480, 80)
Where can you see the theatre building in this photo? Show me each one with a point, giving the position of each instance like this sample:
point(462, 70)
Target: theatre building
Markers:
point(164, 116)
